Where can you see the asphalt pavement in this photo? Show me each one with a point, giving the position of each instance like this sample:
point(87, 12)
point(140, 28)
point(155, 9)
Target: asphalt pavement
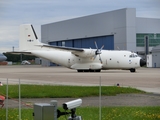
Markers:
point(147, 79)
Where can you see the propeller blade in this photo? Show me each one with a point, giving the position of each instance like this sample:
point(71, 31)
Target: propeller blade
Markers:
point(102, 47)
point(96, 45)
point(98, 51)
point(100, 59)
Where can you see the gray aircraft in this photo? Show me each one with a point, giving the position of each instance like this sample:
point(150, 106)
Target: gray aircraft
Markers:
point(2, 57)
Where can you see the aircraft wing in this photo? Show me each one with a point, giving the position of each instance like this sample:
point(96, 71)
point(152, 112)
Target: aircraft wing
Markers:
point(76, 51)
point(63, 48)
point(51, 46)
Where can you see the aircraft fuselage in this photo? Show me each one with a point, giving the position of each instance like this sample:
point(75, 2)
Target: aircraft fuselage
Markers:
point(110, 59)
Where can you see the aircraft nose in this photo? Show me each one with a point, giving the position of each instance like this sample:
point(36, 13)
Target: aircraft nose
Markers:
point(142, 62)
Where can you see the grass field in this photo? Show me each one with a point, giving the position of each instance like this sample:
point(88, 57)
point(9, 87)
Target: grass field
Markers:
point(92, 113)
point(43, 91)
point(87, 113)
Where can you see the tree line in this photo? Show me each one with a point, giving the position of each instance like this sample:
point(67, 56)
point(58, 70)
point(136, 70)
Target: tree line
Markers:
point(18, 58)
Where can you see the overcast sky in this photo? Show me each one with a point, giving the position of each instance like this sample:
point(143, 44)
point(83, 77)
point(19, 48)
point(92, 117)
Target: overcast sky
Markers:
point(39, 12)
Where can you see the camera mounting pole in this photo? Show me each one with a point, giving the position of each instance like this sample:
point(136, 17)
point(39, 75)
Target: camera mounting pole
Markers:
point(73, 115)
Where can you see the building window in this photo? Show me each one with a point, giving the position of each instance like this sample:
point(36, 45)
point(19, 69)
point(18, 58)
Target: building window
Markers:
point(154, 39)
point(63, 43)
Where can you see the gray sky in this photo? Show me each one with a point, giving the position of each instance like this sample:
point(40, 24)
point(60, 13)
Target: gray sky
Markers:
point(38, 12)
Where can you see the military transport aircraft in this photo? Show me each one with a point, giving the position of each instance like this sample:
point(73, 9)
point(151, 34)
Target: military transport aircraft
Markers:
point(2, 57)
point(82, 60)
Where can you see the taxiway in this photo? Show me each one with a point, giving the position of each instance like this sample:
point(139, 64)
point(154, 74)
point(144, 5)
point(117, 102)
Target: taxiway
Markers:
point(147, 79)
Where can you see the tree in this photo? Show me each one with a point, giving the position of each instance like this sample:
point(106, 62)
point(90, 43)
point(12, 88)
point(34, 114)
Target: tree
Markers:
point(18, 58)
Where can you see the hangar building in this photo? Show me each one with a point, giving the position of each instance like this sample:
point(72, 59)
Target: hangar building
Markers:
point(116, 30)
point(153, 60)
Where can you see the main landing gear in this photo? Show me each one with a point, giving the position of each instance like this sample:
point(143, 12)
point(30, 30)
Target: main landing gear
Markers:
point(132, 70)
point(99, 70)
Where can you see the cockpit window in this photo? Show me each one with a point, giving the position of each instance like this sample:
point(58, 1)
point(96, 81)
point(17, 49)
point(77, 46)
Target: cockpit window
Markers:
point(136, 55)
point(133, 55)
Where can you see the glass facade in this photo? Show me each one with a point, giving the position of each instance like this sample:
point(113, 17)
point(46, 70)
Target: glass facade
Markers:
point(154, 39)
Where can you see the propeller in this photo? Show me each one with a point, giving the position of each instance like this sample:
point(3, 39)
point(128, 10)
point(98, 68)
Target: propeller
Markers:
point(98, 51)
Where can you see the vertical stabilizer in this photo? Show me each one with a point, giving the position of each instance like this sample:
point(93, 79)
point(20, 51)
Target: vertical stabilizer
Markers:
point(28, 38)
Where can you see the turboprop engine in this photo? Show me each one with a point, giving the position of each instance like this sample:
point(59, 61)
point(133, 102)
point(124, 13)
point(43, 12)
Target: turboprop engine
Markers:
point(86, 53)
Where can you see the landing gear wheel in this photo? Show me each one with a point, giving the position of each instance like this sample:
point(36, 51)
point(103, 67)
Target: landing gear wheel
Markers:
point(132, 70)
point(98, 70)
point(86, 70)
point(89, 70)
point(79, 70)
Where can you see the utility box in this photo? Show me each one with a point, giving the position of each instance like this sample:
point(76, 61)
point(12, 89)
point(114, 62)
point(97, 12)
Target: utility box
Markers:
point(149, 60)
point(55, 104)
point(44, 111)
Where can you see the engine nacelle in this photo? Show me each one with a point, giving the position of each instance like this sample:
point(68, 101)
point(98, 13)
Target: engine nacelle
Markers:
point(85, 53)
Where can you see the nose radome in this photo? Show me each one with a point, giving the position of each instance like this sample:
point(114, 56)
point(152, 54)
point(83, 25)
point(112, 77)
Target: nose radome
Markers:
point(142, 62)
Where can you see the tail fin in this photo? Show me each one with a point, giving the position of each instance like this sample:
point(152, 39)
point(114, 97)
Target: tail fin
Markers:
point(28, 38)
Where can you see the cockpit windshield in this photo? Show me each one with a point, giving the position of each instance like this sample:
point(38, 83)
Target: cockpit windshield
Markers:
point(133, 55)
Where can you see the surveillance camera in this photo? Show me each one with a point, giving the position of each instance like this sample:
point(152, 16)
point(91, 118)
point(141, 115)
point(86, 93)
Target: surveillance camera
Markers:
point(72, 104)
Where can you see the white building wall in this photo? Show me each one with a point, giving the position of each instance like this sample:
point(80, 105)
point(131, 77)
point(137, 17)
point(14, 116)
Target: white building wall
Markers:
point(120, 23)
point(149, 60)
point(156, 59)
point(131, 29)
point(147, 25)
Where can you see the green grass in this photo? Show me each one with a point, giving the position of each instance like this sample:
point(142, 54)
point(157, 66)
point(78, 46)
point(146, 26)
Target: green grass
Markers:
point(87, 113)
point(48, 91)
point(92, 113)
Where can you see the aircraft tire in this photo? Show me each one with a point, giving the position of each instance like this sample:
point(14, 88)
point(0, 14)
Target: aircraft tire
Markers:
point(86, 70)
point(79, 70)
point(91, 70)
point(98, 70)
point(132, 70)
